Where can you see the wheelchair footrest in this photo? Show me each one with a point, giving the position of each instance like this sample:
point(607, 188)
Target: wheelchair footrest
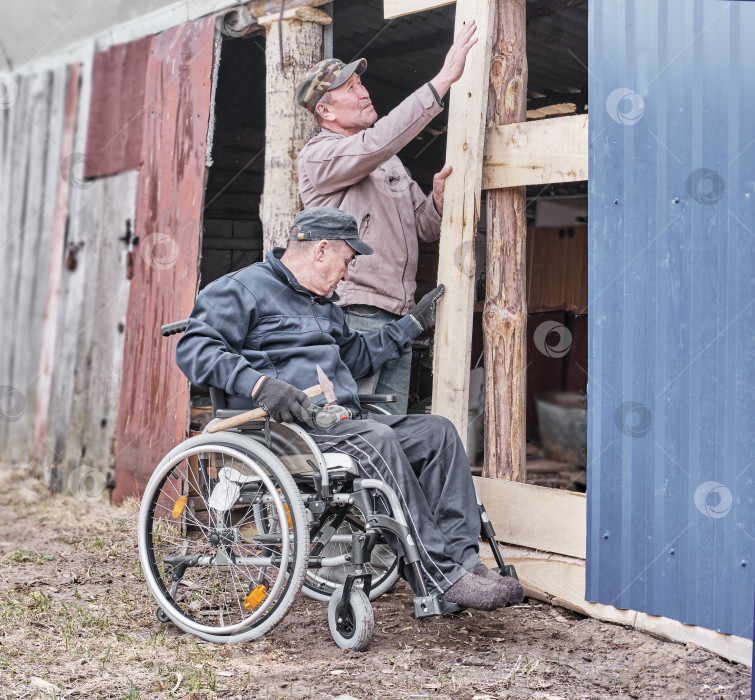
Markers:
point(432, 606)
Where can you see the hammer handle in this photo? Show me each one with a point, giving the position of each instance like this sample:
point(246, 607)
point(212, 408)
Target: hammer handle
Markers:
point(254, 414)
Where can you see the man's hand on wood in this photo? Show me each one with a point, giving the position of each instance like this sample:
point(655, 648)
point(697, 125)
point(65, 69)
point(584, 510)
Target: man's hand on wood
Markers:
point(439, 187)
point(424, 313)
point(456, 59)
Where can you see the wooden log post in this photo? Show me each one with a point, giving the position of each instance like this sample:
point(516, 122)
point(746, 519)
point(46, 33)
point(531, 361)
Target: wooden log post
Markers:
point(288, 125)
point(505, 311)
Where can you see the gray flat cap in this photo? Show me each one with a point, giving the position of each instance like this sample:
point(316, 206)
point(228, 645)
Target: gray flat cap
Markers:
point(328, 223)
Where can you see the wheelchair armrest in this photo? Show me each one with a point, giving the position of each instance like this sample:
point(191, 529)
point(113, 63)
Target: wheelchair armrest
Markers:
point(175, 327)
point(378, 398)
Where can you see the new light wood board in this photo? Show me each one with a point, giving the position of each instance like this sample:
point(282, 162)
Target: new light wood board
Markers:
point(549, 520)
point(398, 8)
point(560, 581)
point(535, 153)
point(461, 211)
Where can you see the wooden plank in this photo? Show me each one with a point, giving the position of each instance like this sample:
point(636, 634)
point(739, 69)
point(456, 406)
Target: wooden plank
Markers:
point(114, 137)
point(18, 177)
point(560, 580)
point(54, 271)
point(461, 212)
point(68, 318)
point(399, 8)
point(535, 153)
point(12, 174)
point(154, 400)
point(93, 415)
point(43, 114)
point(545, 519)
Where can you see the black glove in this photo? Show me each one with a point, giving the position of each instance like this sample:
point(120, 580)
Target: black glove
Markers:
point(283, 402)
point(424, 313)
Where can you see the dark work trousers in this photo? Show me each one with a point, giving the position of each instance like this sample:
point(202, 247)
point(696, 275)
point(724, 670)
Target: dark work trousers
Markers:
point(423, 460)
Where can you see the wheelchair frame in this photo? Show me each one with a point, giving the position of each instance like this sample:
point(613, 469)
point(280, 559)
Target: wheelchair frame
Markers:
point(228, 532)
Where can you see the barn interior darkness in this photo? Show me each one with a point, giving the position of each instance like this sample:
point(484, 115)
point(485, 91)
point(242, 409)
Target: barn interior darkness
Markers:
point(402, 54)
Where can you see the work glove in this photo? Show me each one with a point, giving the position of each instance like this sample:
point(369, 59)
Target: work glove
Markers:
point(283, 402)
point(424, 313)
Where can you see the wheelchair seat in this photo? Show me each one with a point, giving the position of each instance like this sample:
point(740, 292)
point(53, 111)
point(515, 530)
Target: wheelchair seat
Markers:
point(338, 465)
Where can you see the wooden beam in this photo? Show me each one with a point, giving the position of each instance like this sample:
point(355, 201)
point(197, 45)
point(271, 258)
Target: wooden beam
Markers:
point(560, 580)
point(461, 211)
point(549, 520)
point(288, 126)
point(398, 8)
point(535, 153)
point(305, 14)
point(504, 317)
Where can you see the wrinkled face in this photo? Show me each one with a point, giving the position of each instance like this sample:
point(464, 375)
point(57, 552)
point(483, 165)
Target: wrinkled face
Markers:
point(332, 267)
point(351, 107)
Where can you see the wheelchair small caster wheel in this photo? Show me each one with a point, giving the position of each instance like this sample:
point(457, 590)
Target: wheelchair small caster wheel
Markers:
point(353, 629)
point(161, 616)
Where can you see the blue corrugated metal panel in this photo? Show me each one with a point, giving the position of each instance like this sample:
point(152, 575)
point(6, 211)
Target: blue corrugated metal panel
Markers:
point(671, 394)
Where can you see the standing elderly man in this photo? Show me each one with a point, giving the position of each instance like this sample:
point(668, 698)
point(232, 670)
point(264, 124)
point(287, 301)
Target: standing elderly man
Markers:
point(259, 335)
point(355, 168)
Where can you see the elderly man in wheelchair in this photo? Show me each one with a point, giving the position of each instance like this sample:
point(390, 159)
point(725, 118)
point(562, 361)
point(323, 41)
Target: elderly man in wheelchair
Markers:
point(334, 498)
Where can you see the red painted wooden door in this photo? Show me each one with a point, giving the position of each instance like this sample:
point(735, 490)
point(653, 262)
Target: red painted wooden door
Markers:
point(154, 394)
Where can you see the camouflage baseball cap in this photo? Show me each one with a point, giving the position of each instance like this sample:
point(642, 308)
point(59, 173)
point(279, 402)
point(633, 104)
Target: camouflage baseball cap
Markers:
point(326, 75)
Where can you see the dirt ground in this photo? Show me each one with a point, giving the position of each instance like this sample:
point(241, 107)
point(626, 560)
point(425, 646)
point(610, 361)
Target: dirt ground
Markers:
point(77, 621)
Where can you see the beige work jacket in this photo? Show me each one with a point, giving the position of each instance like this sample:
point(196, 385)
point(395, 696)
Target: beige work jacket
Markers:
point(361, 175)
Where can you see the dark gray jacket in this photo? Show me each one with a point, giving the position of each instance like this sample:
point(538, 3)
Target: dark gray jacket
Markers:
point(261, 321)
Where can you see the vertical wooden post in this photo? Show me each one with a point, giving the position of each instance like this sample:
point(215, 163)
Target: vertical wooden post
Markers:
point(287, 125)
point(505, 313)
point(461, 211)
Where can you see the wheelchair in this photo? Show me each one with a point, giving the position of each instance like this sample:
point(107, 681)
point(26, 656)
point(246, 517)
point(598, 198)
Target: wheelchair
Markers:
point(233, 524)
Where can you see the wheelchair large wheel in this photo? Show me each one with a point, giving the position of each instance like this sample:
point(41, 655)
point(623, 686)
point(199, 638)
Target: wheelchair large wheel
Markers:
point(354, 628)
point(210, 569)
point(319, 584)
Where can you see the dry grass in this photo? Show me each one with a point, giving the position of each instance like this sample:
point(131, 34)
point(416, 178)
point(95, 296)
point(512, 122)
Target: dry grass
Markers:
point(76, 621)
